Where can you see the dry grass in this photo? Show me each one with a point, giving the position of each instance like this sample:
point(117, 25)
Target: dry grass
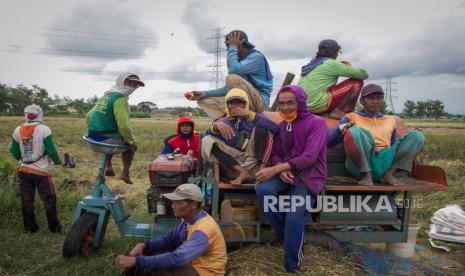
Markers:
point(40, 254)
point(268, 260)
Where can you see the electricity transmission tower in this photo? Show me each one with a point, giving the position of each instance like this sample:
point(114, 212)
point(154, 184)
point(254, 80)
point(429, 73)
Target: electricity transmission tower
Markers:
point(218, 50)
point(389, 92)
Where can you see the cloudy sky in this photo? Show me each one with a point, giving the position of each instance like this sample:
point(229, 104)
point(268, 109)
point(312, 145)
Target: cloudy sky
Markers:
point(77, 48)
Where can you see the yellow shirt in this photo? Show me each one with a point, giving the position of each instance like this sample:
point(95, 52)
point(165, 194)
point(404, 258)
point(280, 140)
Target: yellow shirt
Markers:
point(213, 262)
point(381, 128)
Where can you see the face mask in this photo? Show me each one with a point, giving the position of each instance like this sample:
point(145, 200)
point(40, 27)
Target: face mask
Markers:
point(128, 90)
point(288, 117)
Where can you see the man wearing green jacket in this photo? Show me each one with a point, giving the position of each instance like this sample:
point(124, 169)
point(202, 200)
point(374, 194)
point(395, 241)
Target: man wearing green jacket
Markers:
point(319, 77)
point(108, 122)
point(32, 144)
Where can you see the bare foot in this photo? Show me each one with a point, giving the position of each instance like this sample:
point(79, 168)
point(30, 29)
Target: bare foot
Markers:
point(244, 175)
point(126, 179)
point(390, 179)
point(109, 172)
point(336, 114)
point(366, 180)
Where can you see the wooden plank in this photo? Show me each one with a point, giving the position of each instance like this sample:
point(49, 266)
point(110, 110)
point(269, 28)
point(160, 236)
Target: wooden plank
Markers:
point(228, 186)
point(409, 184)
point(287, 80)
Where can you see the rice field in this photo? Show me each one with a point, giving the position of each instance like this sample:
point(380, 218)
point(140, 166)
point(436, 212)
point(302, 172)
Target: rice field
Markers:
point(40, 253)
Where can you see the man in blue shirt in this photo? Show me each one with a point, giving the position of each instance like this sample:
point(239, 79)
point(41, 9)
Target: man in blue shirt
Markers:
point(248, 70)
point(195, 246)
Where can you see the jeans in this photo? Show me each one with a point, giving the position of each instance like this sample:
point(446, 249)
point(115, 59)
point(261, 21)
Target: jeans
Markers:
point(289, 226)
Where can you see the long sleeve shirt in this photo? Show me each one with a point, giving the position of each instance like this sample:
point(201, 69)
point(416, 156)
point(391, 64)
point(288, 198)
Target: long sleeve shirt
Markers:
point(120, 109)
point(43, 147)
point(335, 135)
point(109, 118)
point(253, 68)
point(317, 83)
point(178, 250)
point(254, 120)
point(305, 153)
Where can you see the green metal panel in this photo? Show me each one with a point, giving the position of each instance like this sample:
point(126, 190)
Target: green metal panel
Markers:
point(354, 213)
point(130, 228)
point(161, 226)
point(102, 222)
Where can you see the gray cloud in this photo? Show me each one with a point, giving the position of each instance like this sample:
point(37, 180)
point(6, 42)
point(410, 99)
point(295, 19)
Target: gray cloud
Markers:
point(198, 18)
point(180, 72)
point(99, 31)
point(439, 49)
point(183, 75)
point(291, 47)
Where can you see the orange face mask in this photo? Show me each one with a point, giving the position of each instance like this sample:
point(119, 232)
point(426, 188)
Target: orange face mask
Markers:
point(288, 117)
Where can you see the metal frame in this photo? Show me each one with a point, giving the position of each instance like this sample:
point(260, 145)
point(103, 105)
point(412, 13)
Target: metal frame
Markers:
point(104, 203)
point(394, 232)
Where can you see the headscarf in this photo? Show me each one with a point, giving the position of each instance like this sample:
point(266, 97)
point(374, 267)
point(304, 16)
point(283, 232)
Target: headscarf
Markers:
point(313, 63)
point(236, 93)
point(301, 99)
point(119, 87)
point(33, 113)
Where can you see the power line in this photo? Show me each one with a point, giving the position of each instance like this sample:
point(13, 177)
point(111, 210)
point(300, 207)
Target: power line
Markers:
point(71, 52)
point(83, 53)
point(140, 72)
point(218, 50)
point(98, 38)
point(99, 33)
point(389, 92)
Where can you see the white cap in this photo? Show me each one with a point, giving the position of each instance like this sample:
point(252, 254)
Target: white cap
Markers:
point(186, 191)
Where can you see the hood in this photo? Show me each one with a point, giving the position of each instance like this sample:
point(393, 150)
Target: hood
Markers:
point(182, 120)
point(35, 111)
point(236, 93)
point(119, 86)
point(312, 65)
point(301, 99)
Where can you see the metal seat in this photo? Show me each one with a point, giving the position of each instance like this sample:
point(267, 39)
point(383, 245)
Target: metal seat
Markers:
point(105, 148)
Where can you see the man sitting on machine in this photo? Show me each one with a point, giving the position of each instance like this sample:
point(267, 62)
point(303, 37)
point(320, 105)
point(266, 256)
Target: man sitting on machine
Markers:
point(233, 141)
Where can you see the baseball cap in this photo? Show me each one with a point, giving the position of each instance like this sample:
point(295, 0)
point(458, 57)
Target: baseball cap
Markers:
point(136, 79)
point(330, 45)
point(242, 36)
point(186, 191)
point(370, 89)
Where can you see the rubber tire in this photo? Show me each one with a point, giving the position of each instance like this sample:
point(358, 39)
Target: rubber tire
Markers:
point(75, 239)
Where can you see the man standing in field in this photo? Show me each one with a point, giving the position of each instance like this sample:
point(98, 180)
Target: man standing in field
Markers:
point(108, 122)
point(33, 146)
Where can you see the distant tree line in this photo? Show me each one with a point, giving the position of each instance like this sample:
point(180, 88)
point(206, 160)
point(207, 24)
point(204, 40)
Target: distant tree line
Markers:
point(421, 109)
point(13, 100)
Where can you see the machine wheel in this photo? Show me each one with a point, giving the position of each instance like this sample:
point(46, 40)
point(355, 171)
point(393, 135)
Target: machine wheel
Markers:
point(78, 241)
